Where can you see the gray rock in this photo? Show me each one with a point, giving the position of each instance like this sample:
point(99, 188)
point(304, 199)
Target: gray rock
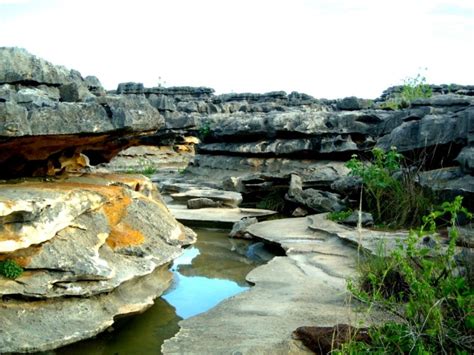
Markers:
point(239, 229)
point(74, 92)
point(448, 183)
point(38, 133)
point(70, 118)
point(466, 235)
point(94, 85)
point(305, 287)
point(202, 202)
point(13, 120)
point(352, 103)
point(430, 131)
point(7, 93)
point(33, 97)
point(466, 160)
point(366, 219)
point(316, 200)
point(41, 326)
point(296, 186)
point(321, 201)
point(19, 66)
point(444, 100)
point(299, 212)
point(130, 88)
point(216, 217)
point(347, 185)
point(162, 103)
point(228, 198)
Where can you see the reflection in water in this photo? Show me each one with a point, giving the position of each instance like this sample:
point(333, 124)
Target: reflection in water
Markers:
point(207, 273)
point(191, 295)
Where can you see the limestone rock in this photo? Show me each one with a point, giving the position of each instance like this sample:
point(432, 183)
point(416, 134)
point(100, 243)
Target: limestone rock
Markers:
point(104, 239)
point(94, 85)
point(430, 131)
point(448, 183)
point(19, 66)
point(466, 160)
point(366, 219)
point(239, 229)
point(202, 202)
point(47, 111)
point(316, 200)
point(228, 198)
point(74, 92)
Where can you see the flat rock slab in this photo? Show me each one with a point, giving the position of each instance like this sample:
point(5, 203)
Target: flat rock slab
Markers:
point(229, 198)
point(374, 241)
point(222, 217)
point(39, 326)
point(307, 287)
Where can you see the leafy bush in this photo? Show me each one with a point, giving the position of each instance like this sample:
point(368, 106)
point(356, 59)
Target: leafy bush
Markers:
point(393, 201)
point(413, 88)
point(339, 216)
point(434, 303)
point(10, 269)
point(204, 130)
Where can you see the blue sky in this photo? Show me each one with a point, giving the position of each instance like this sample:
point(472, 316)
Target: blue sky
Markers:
point(326, 48)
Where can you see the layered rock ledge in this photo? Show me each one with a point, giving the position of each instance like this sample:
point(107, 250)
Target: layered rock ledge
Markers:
point(94, 246)
point(305, 287)
point(252, 143)
point(52, 119)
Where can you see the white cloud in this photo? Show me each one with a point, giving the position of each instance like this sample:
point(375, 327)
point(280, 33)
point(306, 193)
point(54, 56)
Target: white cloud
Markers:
point(322, 47)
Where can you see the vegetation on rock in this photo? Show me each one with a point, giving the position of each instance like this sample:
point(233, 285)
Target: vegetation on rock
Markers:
point(424, 287)
point(391, 193)
point(413, 88)
point(10, 269)
point(339, 216)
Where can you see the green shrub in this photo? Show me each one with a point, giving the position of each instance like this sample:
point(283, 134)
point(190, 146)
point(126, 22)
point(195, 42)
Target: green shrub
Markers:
point(413, 88)
point(145, 167)
point(393, 201)
point(339, 216)
point(434, 304)
point(205, 130)
point(10, 269)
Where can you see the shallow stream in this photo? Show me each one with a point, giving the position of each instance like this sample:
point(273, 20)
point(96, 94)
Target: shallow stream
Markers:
point(208, 272)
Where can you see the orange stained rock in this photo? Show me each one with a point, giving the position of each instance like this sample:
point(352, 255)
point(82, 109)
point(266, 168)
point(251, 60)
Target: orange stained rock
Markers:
point(122, 236)
point(23, 256)
point(115, 206)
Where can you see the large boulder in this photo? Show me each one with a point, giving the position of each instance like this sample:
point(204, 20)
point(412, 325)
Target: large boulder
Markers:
point(47, 112)
point(93, 248)
point(19, 66)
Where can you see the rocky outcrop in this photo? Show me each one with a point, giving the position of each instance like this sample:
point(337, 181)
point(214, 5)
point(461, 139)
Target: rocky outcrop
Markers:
point(306, 286)
point(94, 246)
point(252, 143)
point(50, 115)
point(84, 242)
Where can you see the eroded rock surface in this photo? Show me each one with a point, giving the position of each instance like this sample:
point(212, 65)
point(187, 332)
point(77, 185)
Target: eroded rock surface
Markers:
point(48, 115)
point(308, 286)
point(93, 247)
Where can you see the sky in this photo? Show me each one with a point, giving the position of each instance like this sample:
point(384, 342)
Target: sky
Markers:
point(325, 48)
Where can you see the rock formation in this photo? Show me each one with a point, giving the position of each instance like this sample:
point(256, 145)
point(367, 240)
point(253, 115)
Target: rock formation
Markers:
point(252, 143)
point(93, 245)
point(49, 116)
